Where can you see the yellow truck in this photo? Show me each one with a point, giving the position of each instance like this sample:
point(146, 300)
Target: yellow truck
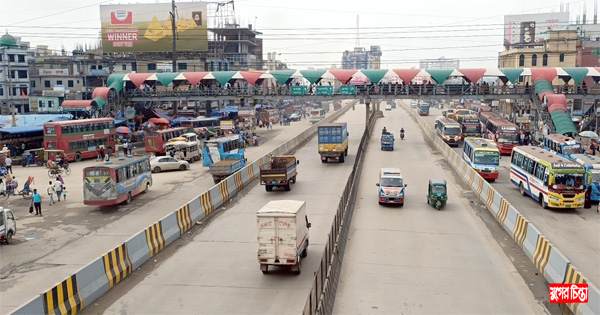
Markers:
point(333, 141)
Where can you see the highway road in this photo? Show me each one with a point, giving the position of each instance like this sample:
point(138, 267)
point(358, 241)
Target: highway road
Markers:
point(415, 259)
point(215, 270)
point(48, 249)
point(576, 233)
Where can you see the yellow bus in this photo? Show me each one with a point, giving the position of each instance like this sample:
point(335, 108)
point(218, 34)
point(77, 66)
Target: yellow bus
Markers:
point(552, 180)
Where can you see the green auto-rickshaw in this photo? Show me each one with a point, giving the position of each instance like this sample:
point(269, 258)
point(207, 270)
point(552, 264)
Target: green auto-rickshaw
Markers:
point(437, 193)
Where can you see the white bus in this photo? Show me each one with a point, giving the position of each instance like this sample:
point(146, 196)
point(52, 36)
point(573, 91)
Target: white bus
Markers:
point(483, 156)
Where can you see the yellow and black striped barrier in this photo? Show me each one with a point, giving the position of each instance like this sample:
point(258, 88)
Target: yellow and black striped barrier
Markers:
point(155, 238)
point(239, 184)
point(490, 197)
point(503, 211)
point(472, 178)
point(541, 254)
point(520, 231)
point(223, 190)
point(117, 265)
point(251, 172)
point(184, 219)
point(479, 186)
point(63, 298)
point(573, 276)
point(206, 203)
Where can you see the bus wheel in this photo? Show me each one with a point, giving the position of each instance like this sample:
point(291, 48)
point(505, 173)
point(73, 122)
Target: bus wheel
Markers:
point(128, 198)
point(78, 157)
point(522, 189)
point(542, 203)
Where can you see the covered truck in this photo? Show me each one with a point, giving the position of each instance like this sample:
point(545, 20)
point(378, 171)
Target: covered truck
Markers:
point(279, 172)
point(282, 234)
point(333, 141)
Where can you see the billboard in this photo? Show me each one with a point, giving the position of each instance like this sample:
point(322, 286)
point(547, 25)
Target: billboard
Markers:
point(147, 27)
point(529, 29)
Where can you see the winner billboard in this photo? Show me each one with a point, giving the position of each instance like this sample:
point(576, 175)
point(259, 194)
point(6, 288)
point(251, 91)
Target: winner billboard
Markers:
point(147, 27)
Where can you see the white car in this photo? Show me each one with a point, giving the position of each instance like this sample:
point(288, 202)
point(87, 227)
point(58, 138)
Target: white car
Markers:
point(388, 107)
point(167, 163)
point(413, 104)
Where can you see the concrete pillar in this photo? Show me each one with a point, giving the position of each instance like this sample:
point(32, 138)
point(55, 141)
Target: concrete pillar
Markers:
point(367, 114)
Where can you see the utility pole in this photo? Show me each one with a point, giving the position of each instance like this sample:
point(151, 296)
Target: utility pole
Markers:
point(173, 27)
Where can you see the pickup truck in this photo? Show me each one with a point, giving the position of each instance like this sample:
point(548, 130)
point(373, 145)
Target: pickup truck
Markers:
point(8, 225)
point(279, 172)
point(282, 234)
point(225, 168)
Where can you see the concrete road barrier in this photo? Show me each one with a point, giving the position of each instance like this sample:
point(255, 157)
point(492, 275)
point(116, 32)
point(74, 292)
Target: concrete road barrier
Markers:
point(63, 298)
point(137, 249)
point(531, 239)
point(155, 238)
point(170, 228)
point(184, 219)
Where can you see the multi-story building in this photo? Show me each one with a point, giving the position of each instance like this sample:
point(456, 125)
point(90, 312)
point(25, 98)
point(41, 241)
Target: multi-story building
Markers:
point(14, 74)
point(234, 48)
point(361, 58)
point(439, 63)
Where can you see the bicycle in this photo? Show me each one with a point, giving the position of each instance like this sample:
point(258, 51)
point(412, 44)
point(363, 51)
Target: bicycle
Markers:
point(54, 172)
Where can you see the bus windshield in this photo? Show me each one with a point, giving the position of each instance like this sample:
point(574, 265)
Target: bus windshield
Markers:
point(508, 138)
point(571, 149)
point(463, 112)
point(483, 157)
point(471, 128)
point(391, 182)
point(568, 181)
point(452, 131)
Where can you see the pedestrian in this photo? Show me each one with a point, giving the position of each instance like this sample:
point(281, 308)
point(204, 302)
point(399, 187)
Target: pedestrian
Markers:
point(588, 198)
point(100, 154)
point(270, 125)
point(592, 149)
point(60, 179)
point(130, 147)
point(37, 202)
point(58, 189)
point(8, 162)
point(51, 192)
point(64, 193)
point(125, 149)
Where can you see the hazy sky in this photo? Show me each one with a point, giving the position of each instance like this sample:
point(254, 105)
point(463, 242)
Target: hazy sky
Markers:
point(315, 33)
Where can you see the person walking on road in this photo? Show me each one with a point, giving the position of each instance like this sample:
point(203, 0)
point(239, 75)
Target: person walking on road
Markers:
point(37, 202)
point(8, 164)
point(64, 193)
point(51, 192)
point(100, 156)
point(58, 189)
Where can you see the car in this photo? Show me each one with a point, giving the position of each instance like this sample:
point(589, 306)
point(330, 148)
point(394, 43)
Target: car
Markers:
point(295, 117)
point(413, 104)
point(388, 107)
point(167, 163)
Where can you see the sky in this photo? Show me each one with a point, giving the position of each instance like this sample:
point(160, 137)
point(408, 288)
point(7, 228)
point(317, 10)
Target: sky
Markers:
point(314, 33)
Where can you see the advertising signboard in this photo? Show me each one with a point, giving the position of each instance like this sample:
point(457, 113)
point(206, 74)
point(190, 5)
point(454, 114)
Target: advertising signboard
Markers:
point(147, 27)
point(529, 29)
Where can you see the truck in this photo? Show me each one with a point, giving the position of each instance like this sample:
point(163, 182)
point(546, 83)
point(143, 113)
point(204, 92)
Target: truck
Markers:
point(279, 172)
point(333, 141)
point(282, 234)
point(8, 225)
point(224, 169)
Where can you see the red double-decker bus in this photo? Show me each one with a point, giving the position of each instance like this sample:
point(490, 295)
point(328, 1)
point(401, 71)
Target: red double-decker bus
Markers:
point(155, 140)
point(485, 117)
point(504, 133)
point(80, 139)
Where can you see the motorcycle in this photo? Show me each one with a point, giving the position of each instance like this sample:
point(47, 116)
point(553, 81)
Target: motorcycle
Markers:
point(402, 135)
point(255, 142)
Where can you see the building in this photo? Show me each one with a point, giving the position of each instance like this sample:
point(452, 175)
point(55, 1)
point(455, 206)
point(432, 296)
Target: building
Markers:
point(273, 63)
point(361, 58)
point(14, 74)
point(234, 48)
point(440, 63)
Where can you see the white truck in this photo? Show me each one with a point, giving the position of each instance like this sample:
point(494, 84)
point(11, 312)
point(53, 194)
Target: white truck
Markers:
point(282, 234)
point(8, 225)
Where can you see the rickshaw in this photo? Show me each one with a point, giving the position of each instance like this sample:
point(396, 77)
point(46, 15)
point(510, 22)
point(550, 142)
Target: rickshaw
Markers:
point(33, 157)
point(437, 195)
point(52, 155)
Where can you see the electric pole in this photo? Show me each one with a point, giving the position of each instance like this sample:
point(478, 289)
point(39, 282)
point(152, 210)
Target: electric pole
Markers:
point(173, 27)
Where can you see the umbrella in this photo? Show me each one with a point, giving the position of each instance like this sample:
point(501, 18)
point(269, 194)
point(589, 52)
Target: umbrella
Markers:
point(123, 130)
point(159, 121)
point(589, 134)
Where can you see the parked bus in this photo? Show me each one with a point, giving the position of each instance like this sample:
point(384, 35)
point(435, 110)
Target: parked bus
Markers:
point(202, 125)
point(485, 117)
point(155, 140)
point(423, 109)
point(470, 127)
point(80, 139)
point(483, 156)
point(551, 180)
point(460, 113)
point(449, 130)
point(215, 150)
point(111, 184)
point(269, 115)
point(316, 115)
point(562, 145)
point(504, 133)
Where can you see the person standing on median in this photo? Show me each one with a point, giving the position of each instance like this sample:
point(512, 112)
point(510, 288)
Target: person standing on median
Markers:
point(51, 192)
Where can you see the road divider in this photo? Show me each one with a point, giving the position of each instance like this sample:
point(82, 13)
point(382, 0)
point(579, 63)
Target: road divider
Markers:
point(548, 260)
point(98, 277)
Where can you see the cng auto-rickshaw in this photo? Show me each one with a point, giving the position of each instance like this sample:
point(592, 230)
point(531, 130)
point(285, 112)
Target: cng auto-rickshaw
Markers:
point(33, 157)
point(437, 194)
